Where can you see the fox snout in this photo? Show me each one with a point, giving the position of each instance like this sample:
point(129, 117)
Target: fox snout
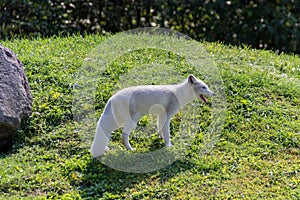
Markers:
point(211, 94)
point(207, 93)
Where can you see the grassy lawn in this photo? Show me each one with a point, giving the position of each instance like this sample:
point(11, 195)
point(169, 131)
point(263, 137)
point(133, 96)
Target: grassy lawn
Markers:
point(257, 154)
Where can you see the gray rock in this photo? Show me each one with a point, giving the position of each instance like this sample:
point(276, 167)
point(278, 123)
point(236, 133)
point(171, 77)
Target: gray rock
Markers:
point(15, 97)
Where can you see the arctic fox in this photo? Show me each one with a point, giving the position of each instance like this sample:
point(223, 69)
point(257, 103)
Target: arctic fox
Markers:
point(125, 108)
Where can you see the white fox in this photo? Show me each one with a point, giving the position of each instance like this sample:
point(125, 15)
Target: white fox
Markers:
point(125, 108)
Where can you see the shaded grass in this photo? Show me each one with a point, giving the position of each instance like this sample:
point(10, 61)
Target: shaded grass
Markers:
point(257, 155)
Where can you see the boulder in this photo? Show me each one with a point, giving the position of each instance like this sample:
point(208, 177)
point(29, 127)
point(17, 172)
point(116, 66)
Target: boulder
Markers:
point(15, 97)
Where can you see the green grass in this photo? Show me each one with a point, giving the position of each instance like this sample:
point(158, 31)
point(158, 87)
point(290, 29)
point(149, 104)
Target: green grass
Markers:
point(257, 155)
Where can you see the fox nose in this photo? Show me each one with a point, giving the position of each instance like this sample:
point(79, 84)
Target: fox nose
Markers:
point(212, 94)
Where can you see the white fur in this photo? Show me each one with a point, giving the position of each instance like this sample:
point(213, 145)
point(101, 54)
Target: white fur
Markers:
point(125, 108)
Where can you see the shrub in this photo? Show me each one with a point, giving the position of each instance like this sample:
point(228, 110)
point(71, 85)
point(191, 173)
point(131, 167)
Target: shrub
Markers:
point(262, 24)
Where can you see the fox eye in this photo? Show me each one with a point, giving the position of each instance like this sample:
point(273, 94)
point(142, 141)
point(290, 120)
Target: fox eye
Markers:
point(203, 87)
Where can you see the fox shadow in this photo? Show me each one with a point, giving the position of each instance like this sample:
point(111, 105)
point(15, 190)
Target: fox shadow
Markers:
point(98, 178)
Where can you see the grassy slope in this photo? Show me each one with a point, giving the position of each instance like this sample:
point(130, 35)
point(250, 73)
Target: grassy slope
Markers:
point(257, 155)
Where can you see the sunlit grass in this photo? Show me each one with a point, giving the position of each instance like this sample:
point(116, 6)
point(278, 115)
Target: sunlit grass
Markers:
point(257, 155)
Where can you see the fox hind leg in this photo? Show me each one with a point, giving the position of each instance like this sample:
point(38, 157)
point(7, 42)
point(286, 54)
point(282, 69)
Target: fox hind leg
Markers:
point(128, 127)
point(161, 120)
point(126, 133)
point(166, 133)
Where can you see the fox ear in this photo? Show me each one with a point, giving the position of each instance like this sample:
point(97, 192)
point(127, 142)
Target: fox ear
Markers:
point(191, 79)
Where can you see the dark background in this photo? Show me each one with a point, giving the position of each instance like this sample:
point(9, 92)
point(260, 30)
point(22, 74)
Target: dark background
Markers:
point(261, 23)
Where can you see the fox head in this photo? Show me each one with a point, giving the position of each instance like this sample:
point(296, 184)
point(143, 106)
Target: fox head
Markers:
point(199, 87)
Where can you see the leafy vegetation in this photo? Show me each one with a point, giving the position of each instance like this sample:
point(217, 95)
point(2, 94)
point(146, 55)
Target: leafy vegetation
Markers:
point(262, 24)
point(257, 155)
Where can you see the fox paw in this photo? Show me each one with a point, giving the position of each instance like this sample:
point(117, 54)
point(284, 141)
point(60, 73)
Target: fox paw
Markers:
point(169, 145)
